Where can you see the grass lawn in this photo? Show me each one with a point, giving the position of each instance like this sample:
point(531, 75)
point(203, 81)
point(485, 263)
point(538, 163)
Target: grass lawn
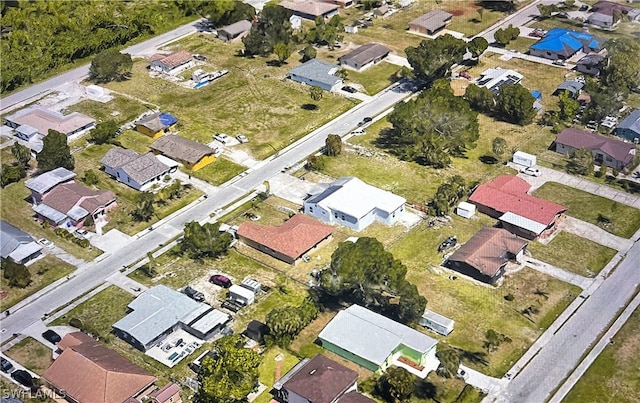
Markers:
point(573, 253)
point(135, 141)
point(521, 44)
point(253, 99)
point(218, 172)
point(99, 312)
point(32, 354)
point(624, 220)
point(375, 78)
point(271, 359)
point(477, 308)
point(614, 376)
point(43, 272)
point(120, 109)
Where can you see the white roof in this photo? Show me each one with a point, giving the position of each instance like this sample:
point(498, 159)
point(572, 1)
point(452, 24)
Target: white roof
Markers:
point(467, 206)
point(437, 318)
point(523, 222)
point(495, 78)
point(210, 321)
point(48, 180)
point(241, 291)
point(352, 196)
point(372, 336)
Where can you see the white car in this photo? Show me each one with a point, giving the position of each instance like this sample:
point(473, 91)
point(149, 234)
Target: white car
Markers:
point(242, 138)
point(82, 233)
point(46, 243)
point(222, 138)
point(531, 171)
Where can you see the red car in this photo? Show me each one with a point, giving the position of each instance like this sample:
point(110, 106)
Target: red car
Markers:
point(220, 280)
point(466, 75)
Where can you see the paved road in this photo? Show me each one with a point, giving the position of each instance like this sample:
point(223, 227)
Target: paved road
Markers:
point(95, 273)
point(37, 91)
point(562, 353)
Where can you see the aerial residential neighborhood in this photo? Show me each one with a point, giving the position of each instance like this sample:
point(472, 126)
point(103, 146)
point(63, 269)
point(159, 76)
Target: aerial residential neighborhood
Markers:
point(321, 201)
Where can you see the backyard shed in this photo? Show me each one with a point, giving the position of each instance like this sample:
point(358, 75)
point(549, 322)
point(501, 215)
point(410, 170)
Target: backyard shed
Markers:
point(241, 294)
point(436, 322)
point(256, 331)
point(251, 285)
point(522, 158)
point(466, 210)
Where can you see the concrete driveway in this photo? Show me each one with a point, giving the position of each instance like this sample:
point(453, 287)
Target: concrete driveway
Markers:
point(595, 234)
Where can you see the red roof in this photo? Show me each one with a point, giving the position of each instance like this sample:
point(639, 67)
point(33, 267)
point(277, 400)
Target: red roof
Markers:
point(508, 193)
point(619, 150)
point(293, 238)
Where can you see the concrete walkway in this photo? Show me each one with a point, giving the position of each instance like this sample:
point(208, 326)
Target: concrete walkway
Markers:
point(594, 233)
point(126, 284)
point(195, 182)
point(560, 274)
point(481, 381)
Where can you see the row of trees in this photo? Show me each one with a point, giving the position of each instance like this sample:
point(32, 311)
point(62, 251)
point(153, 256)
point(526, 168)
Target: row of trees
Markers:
point(513, 103)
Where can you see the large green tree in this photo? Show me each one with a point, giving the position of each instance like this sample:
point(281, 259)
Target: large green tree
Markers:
point(581, 162)
point(144, 208)
point(505, 35)
point(449, 362)
point(568, 106)
point(282, 51)
point(55, 152)
point(514, 104)
point(206, 240)
point(104, 132)
point(231, 376)
point(333, 145)
point(11, 174)
point(22, 154)
point(396, 384)
point(477, 46)
point(480, 99)
point(364, 273)
point(316, 93)
point(272, 27)
point(498, 146)
point(16, 274)
point(110, 65)
point(286, 322)
point(326, 33)
point(434, 126)
point(225, 12)
point(433, 59)
point(622, 72)
point(448, 194)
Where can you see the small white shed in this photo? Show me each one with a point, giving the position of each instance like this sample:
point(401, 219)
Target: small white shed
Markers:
point(522, 158)
point(466, 210)
point(241, 294)
point(251, 285)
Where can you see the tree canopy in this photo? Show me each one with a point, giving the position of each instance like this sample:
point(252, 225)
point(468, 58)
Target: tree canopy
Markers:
point(480, 99)
point(363, 272)
point(272, 27)
point(505, 35)
point(326, 33)
point(225, 12)
point(623, 70)
point(514, 104)
point(333, 145)
point(231, 376)
point(110, 65)
point(104, 132)
point(434, 126)
point(286, 322)
point(55, 152)
point(581, 162)
point(448, 194)
point(477, 46)
point(16, 274)
point(144, 209)
point(22, 154)
point(396, 384)
point(206, 240)
point(433, 59)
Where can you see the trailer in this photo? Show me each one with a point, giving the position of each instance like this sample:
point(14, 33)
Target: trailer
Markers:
point(241, 294)
point(522, 158)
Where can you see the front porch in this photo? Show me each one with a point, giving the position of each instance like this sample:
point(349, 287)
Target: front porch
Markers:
point(421, 371)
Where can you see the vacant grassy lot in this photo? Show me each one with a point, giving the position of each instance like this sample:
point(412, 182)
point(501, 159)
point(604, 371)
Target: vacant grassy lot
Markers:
point(254, 98)
point(375, 78)
point(120, 109)
point(43, 272)
point(135, 141)
point(573, 253)
point(218, 172)
point(614, 376)
point(32, 354)
point(622, 220)
point(477, 308)
point(274, 361)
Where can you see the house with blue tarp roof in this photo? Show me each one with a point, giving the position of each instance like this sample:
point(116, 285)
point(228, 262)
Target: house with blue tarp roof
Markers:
point(560, 43)
point(157, 124)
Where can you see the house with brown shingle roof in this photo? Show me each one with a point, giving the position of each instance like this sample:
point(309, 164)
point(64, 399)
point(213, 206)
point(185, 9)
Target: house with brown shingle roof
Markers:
point(606, 151)
point(189, 153)
point(37, 120)
point(287, 242)
point(364, 56)
point(310, 9)
point(88, 372)
point(69, 204)
point(171, 64)
point(140, 172)
point(485, 255)
point(430, 23)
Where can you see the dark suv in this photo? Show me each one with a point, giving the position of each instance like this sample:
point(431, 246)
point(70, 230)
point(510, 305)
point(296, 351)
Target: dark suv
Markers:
point(51, 336)
point(23, 377)
point(450, 242)
point(220, 280)
point(193, 294)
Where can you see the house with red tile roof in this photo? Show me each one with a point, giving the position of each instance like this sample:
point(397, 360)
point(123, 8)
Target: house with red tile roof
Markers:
point(171, 64)
point(88, 372)
point(287, 242)
point(606, 151)
point(506, 199)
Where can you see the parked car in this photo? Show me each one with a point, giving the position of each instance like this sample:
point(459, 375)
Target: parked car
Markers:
point(242, 138)
point(222, 138)
point(51, 336)
point(366, 120)
point(193, 294)
point(251, 216)
point(462, 374)
point(538, 33)
point(531, 171)
point(23, 378)
point(466, 75)
point(200, 57)
point(232, 305)
point(5, 365)
point(220, 280)
point(559, 62)
point(46, 243)
point(81, 233)
point(450, 242)
point(349, 89)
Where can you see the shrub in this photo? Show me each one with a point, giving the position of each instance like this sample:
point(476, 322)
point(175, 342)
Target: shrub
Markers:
point(509, 297)
point(75, 322)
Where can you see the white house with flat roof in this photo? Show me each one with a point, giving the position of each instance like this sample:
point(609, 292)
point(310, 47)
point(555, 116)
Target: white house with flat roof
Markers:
point(160, 311)
point(377, 342)
point(350, 202)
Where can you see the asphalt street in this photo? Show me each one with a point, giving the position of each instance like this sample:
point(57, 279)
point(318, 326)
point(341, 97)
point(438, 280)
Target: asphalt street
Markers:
point(95, 273)
point(546, 371)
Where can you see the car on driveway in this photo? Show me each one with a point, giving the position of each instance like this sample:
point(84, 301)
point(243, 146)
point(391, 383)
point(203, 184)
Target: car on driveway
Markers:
point(242, 138)
point(349, 89)
point(220, 280)
point(222, 138)
point(46, 243)
point(466, 75)
point(81, 233)
point(559, 63)
point(5, 365)
point(450, 242)
point(51, 336)
point(193, 294)
point(531, 171)
point(23, 377)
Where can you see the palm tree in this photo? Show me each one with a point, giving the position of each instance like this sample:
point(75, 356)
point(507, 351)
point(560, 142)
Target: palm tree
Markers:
point(316, 93)
point(449, 362)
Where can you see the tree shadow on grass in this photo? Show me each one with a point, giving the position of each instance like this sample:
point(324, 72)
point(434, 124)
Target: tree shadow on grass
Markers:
point(423, 389)
point(309, 107)
point(475, 357)
point(488, 159)
point(386, 139)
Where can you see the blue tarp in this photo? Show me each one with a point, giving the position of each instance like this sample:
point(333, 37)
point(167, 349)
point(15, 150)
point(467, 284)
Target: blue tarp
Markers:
point(559, 38)
point(167, 119)
point(536, 94)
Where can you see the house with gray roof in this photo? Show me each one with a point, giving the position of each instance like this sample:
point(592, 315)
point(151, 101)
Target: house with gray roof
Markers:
point(159, 311)
point(365, 56)
point(310, 9)
point(191, 154)
point(430, 23)
point(235, 31)
point(572, 86)
point(140, 172)
point(44, 183)
point(37, 120)
point(591, 64)
point(376, 342)
point(629, 128)
point(17, 245)
point(317, 73)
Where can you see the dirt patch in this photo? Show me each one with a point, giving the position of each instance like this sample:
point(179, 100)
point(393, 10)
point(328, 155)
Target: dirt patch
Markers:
point(629, 351)
point(457, 12)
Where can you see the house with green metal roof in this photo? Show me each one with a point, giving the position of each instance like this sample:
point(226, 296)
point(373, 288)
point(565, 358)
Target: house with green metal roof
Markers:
point(376, 342)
